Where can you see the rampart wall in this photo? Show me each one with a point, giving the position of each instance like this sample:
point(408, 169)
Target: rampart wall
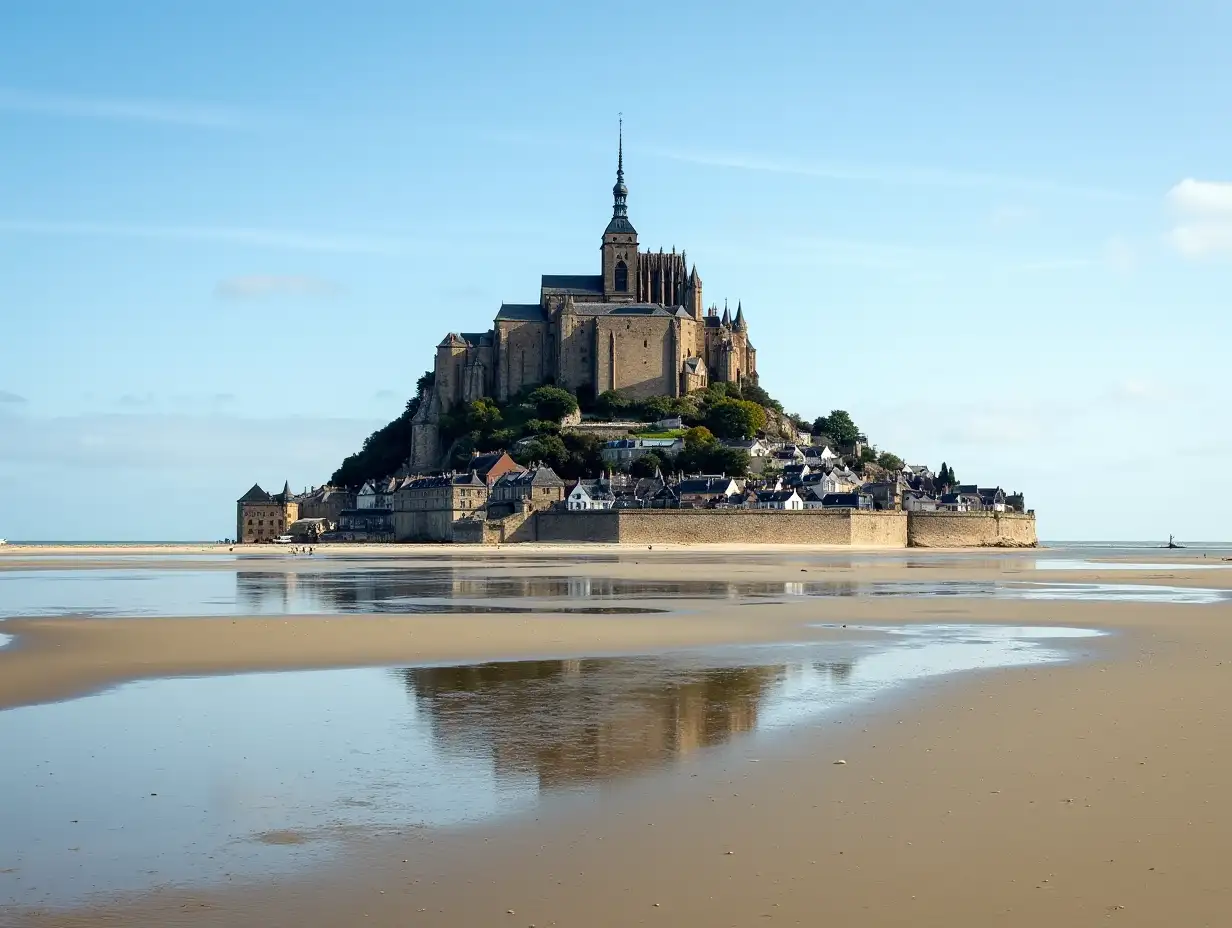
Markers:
point(753, 527)
point(971, 530)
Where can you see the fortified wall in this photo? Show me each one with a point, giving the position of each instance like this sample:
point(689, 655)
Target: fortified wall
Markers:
point(971, 530)
point(753, 527)
point(729, 526)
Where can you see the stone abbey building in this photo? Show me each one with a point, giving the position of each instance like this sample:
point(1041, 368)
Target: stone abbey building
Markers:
point(638, 326)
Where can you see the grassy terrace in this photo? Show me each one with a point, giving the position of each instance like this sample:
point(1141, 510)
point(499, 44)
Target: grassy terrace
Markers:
point(670, 433)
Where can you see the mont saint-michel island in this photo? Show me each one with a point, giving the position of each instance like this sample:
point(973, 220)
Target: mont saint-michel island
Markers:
point(622, 407)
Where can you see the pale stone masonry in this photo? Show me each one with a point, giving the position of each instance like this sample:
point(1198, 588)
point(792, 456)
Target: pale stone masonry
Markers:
point(262, 516)
point(885, 529)
point(425, 508)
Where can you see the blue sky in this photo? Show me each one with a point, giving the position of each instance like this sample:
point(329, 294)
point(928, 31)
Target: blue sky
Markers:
point(231, 234)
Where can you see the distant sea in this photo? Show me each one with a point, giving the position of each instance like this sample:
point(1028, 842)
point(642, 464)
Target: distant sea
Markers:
point(96, 544)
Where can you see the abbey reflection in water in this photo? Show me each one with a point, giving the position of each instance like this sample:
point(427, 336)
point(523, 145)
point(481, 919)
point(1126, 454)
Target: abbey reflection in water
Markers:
point(575, 721)
point(386, 590)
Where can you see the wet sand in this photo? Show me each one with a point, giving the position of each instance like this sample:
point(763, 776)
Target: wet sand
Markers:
point(1062, 794)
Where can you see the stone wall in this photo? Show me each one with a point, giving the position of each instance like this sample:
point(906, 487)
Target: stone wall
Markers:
point(879, 529)
point(637, 356)
point(752, 527)
point(564, 527)
point(423, 524)
point(521, 362)
point(971, 530)
point(575, 364)
point(735, 526)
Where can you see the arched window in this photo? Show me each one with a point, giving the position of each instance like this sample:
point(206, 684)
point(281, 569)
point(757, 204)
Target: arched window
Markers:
point(622, 277)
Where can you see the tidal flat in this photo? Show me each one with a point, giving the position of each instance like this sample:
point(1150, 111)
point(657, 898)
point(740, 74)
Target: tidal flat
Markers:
point(609, 736)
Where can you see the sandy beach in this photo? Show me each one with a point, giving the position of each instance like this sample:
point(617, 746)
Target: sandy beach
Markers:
point(1069, 794)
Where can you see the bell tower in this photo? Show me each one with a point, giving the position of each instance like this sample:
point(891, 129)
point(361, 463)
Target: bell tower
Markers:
point(620, 239)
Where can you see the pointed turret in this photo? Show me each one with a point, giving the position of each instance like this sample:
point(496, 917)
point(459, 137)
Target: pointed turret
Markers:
point(738, 323)
point(286, 490)
point(726, 320)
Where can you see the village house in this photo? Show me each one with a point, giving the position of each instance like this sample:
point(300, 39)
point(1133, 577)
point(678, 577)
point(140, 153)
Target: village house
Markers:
point(538, 487)
point(794, 474)
point(626, 450)
point(916, 501)
point(326, 503)
point(705, 491)
point(819, 455)
point(262, 517)
point(788, 454)
point(490, 465)
point(779, 499)
point(886, 494)
point(634, 492)
point(372, 496)
point(590, 494)
point(426, 507)
point(753, 447)
point(369, 524)
point(839, 501)
point(992, 499)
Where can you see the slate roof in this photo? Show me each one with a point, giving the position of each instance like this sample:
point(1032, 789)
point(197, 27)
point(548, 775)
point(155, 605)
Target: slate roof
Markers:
point(470, 478)
point(521, 312)
point(712, 486)
point(620, 224)
point(622, 309)
point(482, 463)
point(255, 495)
point(841, 500)
point(542, 476)
point(572, 283)
point(775, 496)
point(596, 489)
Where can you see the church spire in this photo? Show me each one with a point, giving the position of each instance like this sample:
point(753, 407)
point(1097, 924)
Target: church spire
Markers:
point(620, 193)
point(738, 323)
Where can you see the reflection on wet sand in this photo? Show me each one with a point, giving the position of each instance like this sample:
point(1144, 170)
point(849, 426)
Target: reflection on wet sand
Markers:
point(568, 722)
point(324, 754)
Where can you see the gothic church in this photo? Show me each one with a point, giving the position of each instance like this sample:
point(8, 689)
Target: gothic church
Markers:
point(637, 327)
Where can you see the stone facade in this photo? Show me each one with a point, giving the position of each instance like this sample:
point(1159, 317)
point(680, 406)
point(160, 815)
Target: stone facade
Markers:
point(262, 517)
point(425, 508)
point(867, 529)
point(639, 326)
point(326, 503)
point(971, 530)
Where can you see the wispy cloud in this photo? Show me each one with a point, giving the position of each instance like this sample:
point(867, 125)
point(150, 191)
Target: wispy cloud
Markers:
point(235, 235)
point(12, 398)
point(1203, 227)
point(891, 175)
point(1202, 196)
point(198, 115)
point(258, 286)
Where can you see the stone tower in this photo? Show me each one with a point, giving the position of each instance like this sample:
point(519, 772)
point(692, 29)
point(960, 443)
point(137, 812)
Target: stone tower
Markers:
point(620, 240)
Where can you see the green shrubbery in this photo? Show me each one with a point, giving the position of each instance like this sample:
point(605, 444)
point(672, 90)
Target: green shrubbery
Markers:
point(722, 411)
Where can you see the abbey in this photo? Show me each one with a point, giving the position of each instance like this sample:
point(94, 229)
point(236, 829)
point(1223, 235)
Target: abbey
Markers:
point(638, 326)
